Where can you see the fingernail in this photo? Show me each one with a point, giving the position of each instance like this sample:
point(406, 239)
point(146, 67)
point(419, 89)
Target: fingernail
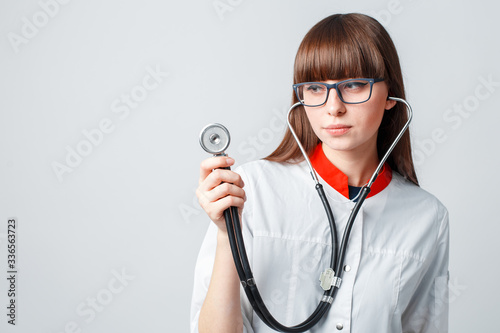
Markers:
point(229, 161)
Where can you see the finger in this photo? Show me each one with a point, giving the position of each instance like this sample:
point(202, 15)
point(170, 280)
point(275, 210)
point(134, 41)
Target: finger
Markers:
point(215, 210)
point(221, 191)
point(212, 163)
point(219, 176)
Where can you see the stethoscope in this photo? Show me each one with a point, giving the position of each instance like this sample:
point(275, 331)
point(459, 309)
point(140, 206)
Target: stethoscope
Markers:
point(214, 138)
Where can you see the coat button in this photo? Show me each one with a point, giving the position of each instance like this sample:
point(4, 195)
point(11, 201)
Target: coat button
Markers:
point(340, 326)
point(347, 268)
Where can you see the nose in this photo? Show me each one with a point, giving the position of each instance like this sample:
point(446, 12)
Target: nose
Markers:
point(334, 106)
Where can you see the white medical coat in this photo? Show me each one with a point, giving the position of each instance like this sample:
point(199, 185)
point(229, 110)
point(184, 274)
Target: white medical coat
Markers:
point(396, 273)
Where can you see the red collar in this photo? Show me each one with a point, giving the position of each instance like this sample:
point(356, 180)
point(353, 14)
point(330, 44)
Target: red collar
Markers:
point(338, 180)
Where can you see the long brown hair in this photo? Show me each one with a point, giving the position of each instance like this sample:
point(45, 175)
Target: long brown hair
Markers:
point(349, 46)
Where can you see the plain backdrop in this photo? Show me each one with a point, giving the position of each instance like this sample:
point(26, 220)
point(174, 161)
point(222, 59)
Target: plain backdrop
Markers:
point(101, 104)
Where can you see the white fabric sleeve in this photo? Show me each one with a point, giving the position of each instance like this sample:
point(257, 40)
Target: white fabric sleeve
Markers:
point(203, 273)
point(428, 309)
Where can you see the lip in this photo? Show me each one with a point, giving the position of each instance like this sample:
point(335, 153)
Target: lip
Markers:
point(338, 129)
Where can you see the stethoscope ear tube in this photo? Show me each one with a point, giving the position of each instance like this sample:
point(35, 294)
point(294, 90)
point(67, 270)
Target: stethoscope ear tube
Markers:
point(396, 140)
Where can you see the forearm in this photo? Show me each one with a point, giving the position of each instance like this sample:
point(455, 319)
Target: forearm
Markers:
point(221, 310)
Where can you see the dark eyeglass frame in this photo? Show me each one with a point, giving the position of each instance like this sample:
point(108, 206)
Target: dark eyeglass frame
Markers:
point(335, 86)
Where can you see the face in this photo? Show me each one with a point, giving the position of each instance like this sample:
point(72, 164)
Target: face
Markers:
point(350, 127)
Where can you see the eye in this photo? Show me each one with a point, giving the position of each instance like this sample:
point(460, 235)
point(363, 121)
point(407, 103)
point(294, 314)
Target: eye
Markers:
point(314, 88)
point(353, 86)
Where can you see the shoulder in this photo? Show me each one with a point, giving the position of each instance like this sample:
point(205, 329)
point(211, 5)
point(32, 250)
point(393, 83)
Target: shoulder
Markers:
point(416, 220)
point(416, 199)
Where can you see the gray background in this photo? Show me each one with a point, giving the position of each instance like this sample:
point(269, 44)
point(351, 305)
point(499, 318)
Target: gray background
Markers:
point(128, 207)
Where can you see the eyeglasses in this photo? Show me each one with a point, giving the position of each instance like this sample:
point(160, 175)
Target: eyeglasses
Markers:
point(352, 91)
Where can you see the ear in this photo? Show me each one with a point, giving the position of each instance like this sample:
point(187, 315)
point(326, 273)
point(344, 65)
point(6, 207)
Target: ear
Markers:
point(389, 104)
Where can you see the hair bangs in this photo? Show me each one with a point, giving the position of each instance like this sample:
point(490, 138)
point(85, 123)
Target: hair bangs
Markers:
point(338, 50)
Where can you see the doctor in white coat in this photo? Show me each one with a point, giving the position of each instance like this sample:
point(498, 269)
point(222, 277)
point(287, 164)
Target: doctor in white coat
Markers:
point(396, 267)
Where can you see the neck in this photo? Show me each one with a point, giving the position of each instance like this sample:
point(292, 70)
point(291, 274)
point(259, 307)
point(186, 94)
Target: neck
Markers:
point(357, 165)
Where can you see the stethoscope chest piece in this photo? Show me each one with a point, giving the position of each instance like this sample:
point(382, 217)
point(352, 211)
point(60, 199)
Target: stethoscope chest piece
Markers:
point(214, 138)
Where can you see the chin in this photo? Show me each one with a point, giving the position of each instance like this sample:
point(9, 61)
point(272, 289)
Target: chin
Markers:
point(349, 143)
point(340, 146)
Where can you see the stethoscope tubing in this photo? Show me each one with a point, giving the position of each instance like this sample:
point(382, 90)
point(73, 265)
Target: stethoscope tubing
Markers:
point(240, 257)
point(247, 281)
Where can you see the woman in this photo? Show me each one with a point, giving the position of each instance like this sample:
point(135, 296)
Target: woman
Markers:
point(396, 265)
